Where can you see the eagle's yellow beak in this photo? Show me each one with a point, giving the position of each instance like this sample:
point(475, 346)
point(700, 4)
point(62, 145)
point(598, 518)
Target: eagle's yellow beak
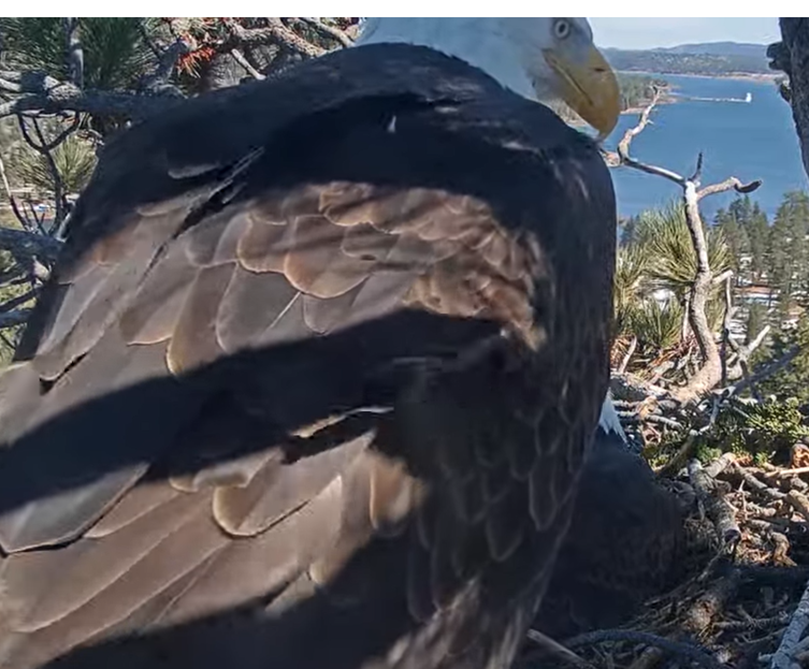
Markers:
point(589, 87)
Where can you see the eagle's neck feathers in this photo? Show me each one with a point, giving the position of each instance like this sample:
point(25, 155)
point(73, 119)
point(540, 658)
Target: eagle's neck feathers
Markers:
point(483, 43)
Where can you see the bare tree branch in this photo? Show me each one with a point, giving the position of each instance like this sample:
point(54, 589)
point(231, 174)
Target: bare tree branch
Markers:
point(726, 185)
point(22, 244)
point(11, 199)
point(275, 33)
point(41, 92)
point(765, 371)
point(726, 340)
point(44, 148)
point(628, 355)
point(15, 302)
point(75, 53)
point(14, 318)
point(166, 62)
point(334, 33)
point(239, 57)
point(622, 157)
point(711, 371)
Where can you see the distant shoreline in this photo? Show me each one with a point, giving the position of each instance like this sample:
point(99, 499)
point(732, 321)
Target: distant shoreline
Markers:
point(737, 76)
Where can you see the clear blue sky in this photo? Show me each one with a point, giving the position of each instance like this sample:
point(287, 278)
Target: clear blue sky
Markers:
point(647, 33)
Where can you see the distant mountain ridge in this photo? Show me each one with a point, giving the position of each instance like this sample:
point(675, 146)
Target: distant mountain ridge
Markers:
point(705, 58)
point(718, 49)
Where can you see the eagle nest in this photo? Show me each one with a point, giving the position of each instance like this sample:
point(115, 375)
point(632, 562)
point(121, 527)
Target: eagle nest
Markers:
point(747, 565)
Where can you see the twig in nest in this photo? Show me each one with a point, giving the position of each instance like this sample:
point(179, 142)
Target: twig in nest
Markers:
point(239, 57)
point(717, 508)
point(723, 462)
point(755, 484)
point(557, 649)
point(334, 33)
point(784, 656)
point(753, 625)
point(790, 472)
point(693, 652)
point(799, 503)
point(702, 612)
point(633, 344)
point(679, 458)
point(780, 550)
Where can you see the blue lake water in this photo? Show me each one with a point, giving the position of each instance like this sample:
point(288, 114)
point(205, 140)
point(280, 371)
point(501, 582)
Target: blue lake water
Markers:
point(753, 140)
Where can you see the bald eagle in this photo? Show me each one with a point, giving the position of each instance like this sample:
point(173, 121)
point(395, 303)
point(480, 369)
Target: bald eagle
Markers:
point(314, 379)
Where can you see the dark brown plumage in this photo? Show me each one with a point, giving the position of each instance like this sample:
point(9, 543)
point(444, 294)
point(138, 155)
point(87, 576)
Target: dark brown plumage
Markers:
point(307, 391)
point(626, 544)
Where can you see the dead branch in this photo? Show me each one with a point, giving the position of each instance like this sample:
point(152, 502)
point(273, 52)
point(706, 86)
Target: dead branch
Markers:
point(727, 184)
point(764, 372)
point(275, 33)
point(75, 53)
point(329, 31)
point(726, 340)
point(702, 612)
point(14, 318)
point(791, 472)
point(622, 157)
point(239, 57)
point(756, 484)
point(557, 649)
point(36, 91)
point(711, 371)
point(799, 503)
point(166, 62)
point(11, 199)
point(15, 302)
point(44, 148)
point(22, 244)
point(784, 656)
point(628, 355)
point(716, 507)
point(693, 652)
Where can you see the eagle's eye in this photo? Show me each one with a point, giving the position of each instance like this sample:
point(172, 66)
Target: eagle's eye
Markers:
point(561, 28)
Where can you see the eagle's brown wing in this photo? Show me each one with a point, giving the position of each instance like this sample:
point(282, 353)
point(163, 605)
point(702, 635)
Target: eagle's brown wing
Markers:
point(321, 405)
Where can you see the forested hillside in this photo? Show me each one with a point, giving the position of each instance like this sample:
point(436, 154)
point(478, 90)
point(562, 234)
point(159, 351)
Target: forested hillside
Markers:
point(675, 62)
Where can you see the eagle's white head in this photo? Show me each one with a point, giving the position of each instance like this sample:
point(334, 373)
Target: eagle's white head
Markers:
point(539, 58)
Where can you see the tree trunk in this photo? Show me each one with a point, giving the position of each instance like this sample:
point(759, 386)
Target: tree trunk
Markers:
point(792, 57)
